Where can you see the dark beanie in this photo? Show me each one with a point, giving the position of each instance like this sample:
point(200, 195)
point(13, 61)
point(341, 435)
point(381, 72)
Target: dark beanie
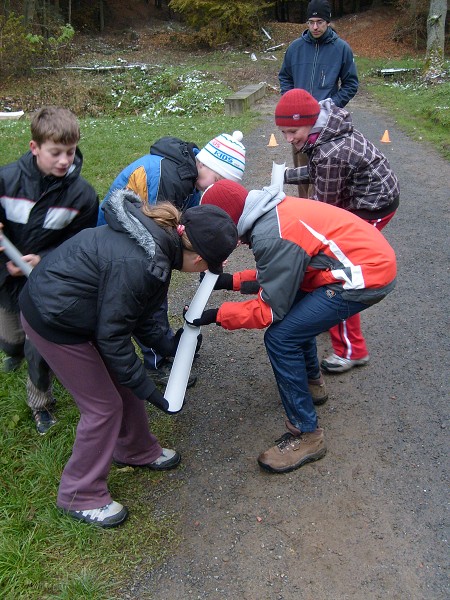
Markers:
point(319, 9)
point(296, 108)
point(212, 233)
point(228, 195)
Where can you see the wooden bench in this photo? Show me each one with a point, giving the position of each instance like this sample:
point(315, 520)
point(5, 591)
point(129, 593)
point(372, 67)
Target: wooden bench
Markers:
point(241, 100)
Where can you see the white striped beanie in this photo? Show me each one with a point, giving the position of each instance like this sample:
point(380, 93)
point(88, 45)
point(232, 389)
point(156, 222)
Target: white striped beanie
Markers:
point(225, 155)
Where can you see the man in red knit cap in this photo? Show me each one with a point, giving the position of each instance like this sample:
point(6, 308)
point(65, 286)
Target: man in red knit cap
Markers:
point(315, 264)
point(347, 171)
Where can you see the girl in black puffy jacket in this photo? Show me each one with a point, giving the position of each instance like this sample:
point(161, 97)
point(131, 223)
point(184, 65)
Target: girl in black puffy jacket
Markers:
point(81, 307)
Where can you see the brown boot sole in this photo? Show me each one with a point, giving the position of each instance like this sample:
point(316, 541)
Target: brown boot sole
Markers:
point(307, 459)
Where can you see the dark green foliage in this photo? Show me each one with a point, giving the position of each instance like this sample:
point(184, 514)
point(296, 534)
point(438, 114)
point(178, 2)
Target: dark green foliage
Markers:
point(217, 22)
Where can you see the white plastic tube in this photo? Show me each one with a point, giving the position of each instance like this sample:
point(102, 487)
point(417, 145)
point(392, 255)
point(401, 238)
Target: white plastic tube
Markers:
point(182, 363)
point(16, 256)
point(278, 175)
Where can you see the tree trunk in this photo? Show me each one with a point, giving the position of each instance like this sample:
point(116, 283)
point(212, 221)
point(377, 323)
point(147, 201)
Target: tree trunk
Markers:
point(102, 15)
point(28, 11)
point(435, 38)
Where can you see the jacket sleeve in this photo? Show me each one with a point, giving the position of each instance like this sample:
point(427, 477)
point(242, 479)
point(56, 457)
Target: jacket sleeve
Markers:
point(348, 78)
point(281, 267)
point(296, 175)
point(120, 307)
point(285, 76)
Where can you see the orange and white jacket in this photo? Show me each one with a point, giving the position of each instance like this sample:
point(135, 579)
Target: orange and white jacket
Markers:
point(302, 245)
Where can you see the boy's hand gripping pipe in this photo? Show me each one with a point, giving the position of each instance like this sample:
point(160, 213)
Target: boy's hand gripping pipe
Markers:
point(12, 253)
point(182, 363)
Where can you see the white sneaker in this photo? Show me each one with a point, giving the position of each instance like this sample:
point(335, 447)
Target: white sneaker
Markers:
point(110, 515)
point(338, 364)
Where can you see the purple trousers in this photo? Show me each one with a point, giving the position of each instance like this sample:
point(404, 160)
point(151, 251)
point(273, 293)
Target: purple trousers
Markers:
point(113, 422)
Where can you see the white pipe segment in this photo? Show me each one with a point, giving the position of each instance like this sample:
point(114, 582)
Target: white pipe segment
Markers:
point(278, 175)
point(182, 363)
point(16, 256)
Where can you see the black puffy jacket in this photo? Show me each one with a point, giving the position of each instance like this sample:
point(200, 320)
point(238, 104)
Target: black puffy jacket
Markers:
point(40, 212)
point(103, 285)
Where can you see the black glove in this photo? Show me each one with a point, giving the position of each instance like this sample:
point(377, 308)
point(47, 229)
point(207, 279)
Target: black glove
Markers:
point(208, 316)
point(224, 282)
point(158, 400)
point(250, 287)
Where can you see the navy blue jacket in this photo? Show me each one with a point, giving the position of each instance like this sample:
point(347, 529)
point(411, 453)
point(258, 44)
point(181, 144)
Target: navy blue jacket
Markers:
point(324, 67)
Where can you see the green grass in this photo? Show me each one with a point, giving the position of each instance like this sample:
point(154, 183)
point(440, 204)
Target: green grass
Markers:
point(44, 554)
point(422, 111)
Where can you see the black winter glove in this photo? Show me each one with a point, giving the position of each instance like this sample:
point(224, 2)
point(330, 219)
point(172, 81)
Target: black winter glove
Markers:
point(208, 316)
point(250, 287)
point(158, 400)
point(224, 282)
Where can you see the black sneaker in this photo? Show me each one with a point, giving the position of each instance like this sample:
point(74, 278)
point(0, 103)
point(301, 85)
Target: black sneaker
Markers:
point(44, 420)
point(161, 375)
point(12, 363)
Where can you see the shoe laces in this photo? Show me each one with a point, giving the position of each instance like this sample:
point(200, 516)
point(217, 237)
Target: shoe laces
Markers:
point(287, 439)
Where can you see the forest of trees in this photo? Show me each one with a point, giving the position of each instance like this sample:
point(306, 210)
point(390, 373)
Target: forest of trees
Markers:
point(35, 26)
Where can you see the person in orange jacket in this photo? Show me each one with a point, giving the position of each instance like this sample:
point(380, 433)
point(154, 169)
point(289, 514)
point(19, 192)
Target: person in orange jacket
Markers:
point(316, 265)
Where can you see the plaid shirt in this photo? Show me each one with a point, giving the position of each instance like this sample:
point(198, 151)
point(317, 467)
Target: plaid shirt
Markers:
point(347, 170)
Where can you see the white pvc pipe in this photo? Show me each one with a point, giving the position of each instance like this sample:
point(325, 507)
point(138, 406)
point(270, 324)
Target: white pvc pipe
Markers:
point(182, 363)
point(16, 256)
point(278, 175)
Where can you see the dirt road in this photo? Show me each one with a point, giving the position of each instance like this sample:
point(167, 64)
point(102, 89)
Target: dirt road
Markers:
point(367, 521)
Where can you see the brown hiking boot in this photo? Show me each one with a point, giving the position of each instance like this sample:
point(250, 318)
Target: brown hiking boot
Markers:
point(318, 391)
point(292, 452)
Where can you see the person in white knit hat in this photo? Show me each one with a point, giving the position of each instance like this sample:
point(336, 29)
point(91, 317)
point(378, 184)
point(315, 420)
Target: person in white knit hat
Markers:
point(222, 158)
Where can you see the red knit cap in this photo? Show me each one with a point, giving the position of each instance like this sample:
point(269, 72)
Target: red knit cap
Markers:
point(228, 195)
point(296, 108)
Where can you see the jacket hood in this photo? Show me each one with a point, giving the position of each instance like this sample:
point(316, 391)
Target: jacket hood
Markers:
point(258, 203)
point(123, 213)
point(332, 123)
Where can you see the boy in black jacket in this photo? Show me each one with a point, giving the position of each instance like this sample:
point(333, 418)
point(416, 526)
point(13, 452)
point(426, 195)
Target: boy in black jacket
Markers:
point(43, 202)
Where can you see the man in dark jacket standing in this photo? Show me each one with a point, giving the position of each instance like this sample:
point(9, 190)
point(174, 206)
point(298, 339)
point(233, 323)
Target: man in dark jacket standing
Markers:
point(321, 63)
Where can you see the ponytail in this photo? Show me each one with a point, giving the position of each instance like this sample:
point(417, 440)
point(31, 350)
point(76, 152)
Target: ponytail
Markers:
point(167, 216)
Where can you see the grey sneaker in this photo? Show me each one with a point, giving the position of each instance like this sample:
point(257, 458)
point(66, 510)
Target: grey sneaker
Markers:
point(44, 420)
point(169, 459)
point(110, 515)
point(338, 364)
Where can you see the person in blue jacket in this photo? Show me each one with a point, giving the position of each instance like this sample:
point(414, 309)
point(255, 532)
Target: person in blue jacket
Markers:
point(321, 63)
point(178, 172)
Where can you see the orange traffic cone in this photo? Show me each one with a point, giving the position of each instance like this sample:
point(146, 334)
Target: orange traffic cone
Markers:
point(272, 142)
point(385, 137)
